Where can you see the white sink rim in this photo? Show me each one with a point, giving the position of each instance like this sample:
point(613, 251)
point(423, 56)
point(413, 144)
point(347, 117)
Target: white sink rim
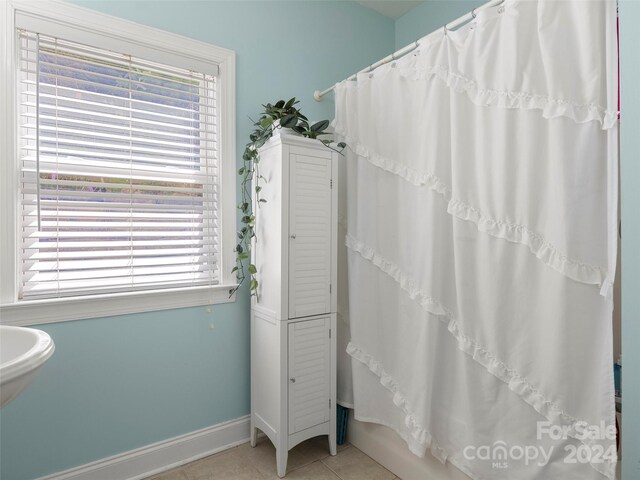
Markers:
point(41, 349)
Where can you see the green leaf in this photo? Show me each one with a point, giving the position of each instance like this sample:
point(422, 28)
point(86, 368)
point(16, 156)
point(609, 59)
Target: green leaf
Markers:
point(266, 121)
point(290, 103)
point(262, 200)
point(279, 104)
point(258, 189)
point(252, 269)
point(342, 145)
point(243, 256)
point(288, 121)
point(254, 284)
point(320, 126)
point(234, 269)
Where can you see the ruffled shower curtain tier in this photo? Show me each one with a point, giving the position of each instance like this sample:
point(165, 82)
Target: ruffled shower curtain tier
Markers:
point(481, 235)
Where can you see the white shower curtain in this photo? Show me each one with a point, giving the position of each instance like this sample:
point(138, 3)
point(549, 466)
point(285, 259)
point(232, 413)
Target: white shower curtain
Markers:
point(481, 235)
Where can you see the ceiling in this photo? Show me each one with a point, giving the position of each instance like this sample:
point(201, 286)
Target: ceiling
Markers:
point(390, 8)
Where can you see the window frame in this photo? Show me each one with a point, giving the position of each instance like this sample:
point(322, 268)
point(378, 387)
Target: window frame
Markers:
point(109, 30)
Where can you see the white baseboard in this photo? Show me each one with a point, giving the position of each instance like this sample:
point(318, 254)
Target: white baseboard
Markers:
point(387, 448)
point(161, 456)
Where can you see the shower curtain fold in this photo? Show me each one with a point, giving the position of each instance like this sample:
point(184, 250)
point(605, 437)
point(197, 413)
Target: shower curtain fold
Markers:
point(481, 204)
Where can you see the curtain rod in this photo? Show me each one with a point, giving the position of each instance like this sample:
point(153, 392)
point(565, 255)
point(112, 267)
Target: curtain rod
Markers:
point(412, 46)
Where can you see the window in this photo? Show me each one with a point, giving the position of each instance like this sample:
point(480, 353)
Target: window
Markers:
point(120, 166)
point(118, 172)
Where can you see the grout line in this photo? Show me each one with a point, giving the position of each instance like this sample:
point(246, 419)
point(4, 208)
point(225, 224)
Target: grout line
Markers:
point(332, 470)
point(395, 477)
point(308, 463)
point(182, 468)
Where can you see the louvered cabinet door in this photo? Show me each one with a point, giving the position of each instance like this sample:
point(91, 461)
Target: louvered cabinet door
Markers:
point(310, 228)
point(309, 373)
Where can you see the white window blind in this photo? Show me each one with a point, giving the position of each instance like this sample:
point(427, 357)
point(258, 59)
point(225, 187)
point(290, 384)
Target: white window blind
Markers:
point(119, 172)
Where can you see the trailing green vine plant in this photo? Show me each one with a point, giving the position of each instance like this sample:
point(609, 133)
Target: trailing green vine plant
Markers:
point(278, 115)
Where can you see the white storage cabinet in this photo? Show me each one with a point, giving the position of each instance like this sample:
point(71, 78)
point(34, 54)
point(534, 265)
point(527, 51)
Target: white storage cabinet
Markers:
point(293, 320)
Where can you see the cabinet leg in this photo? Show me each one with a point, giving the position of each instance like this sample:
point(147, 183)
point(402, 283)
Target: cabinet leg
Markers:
point(281, 459)
point(254, 435)
point(332, 443)
point(254, 432)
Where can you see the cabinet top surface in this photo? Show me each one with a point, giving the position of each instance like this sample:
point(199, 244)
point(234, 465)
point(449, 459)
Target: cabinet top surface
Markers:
point(286, 136)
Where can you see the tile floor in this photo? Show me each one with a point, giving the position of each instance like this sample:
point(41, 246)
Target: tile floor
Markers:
point(308, 461)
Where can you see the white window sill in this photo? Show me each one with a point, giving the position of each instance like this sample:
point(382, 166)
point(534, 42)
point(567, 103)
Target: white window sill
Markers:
point(35, 312)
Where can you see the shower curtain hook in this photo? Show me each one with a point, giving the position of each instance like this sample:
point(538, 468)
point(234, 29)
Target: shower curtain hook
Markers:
point(473, 19)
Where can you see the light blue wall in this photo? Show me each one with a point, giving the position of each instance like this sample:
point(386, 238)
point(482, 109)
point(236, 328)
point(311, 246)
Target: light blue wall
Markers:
point(119, 383)
point(630, 194)
point(284, 48)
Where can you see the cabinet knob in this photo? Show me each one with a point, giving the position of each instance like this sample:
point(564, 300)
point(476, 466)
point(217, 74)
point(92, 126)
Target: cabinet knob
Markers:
point(293, 236)
point(292, 380)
